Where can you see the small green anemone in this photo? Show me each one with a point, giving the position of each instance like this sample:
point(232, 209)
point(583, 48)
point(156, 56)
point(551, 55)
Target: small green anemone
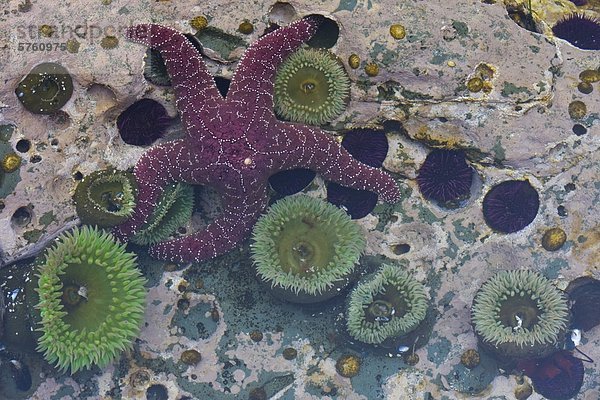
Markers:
point(306, 249)
point(387, 306)
point(105, 198)
point(311, 86)
point(46, 88)
point(92, 300)
point(520, 314)
point(173, 209)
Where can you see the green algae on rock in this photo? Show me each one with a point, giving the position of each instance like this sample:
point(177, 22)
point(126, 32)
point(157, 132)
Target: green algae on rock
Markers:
point(306, 249)
point(46, 88)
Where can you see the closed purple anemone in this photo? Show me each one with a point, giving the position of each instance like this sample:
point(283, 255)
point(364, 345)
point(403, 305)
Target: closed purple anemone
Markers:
point(291, 181)
point(445, 176)
point(584, 294)
point(510, 206)
point(556, 377)
point(357, 203)
point(580, 30)
point(370, 147)
point(143, 122)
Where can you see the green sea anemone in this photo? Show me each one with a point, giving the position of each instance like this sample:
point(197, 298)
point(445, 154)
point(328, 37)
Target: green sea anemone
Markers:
point(519, 315)
point(306, 249)
point(46, 88)
point(311, 87)
point(105, 198)
point(386, 307)
point(174, 209)
point(92, 300)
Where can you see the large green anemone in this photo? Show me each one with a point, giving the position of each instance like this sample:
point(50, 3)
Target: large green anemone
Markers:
point(306, 249)
point(386, 307)
point(92, 300)
point(105, 198)
point(311, 86)
point(174, 209)
point(520, 314)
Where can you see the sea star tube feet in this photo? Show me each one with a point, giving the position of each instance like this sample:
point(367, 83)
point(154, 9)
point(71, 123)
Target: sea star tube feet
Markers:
point(235, 144)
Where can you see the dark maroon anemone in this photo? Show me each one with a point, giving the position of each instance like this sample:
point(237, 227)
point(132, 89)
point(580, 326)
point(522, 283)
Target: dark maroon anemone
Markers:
point(291, 181)
point(556, 377)
point(143, 122)
point(370, 147)
point(445, 176)
point(580, 30)
point(367, 146)
point(510, 206)
point(579, 3)
point(584, 294)
point(357, 203)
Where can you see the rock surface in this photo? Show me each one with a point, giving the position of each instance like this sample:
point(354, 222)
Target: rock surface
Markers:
point(517, 127)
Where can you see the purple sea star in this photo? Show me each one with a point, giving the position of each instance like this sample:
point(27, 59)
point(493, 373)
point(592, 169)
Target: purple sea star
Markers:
point(235, 144)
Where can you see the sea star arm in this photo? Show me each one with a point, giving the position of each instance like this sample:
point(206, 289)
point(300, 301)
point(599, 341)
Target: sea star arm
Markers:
point(252, 83)
point(195, 89)
point(221, 235)
point(320, 152)
point(161, 165)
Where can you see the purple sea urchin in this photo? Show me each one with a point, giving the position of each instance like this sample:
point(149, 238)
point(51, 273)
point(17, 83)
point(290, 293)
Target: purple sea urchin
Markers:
point(510, 206)
point(92, 299)
point(584, 294)
point(556, 377)
point(445, 176)
point(369, 147)
point(519, 315)
point(143, 122)
point(291, 181)
point(357, 203)
point(580, 30)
